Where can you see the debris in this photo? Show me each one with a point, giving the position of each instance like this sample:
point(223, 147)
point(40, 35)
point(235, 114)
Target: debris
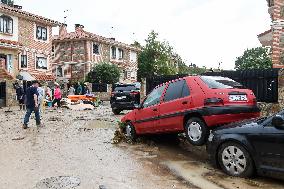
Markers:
point(61, 182)
point(19, 138)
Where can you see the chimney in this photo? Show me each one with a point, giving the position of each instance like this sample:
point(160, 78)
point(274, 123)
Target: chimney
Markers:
point(63, 30)
point(79, 28)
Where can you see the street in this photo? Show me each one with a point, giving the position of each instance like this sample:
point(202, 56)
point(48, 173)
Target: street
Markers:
point(78, 144)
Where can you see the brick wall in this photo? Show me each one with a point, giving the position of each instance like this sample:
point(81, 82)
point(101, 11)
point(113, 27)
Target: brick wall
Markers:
point(278, 46)
point(34, 47)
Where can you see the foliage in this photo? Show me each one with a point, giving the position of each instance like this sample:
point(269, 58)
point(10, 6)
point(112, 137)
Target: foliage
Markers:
point(104, 73)
point(194, 70)
point(255, 58)
point(8, 2)
point(158, 58)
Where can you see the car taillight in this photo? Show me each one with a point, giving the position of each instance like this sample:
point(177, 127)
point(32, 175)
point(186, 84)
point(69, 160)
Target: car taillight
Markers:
point(134, 93)
point(213, 102)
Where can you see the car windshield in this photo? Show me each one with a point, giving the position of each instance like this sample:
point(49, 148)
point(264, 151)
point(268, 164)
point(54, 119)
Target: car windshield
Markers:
point(124, 88)
point(215, 82)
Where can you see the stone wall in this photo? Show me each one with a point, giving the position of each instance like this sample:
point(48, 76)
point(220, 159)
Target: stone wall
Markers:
point(104, 96)
point(10, 93)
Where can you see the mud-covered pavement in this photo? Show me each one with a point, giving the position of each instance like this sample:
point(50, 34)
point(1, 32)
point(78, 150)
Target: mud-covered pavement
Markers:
point(79, 144)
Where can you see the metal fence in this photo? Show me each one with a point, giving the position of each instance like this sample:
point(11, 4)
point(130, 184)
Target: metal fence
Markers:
point(99, 87)
point(152, 82)
point(264, 83)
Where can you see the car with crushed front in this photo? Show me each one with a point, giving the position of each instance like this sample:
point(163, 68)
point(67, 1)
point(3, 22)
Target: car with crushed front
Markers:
point(193, 105)
point(252, 146)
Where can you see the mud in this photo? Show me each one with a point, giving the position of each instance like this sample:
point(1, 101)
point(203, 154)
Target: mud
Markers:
point(80, 144)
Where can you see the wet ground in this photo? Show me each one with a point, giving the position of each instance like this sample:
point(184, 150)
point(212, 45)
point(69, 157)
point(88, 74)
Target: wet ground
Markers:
point(76, 149)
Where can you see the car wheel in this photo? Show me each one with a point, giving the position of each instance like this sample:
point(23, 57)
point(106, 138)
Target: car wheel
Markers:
point(196, 131)
point(130, 132)
point(235, 160)
point(116, 111)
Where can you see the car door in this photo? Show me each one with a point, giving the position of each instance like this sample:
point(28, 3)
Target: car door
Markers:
point(176, 101)
point(269, 146)
point(147, 116)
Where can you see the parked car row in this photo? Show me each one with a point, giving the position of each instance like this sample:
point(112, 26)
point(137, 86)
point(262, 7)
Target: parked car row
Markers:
point(214, 110)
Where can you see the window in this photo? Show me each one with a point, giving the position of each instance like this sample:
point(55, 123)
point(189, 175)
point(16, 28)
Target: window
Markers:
point(59, 71)
point(216, 82)
point(113, 52)
point(185, 90)
point(41, 33)
point(154, 97)
point(9, 63)
point(6, 24)
point(41, 63)
point(124, 88)
point(96, 49)
point(133, 56)
point(174, 90)
point(120, 53)
point(24, 61)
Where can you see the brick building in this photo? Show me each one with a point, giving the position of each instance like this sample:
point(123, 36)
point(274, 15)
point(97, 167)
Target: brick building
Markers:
point(75, 53)
point(25, 47)
point(274, 37)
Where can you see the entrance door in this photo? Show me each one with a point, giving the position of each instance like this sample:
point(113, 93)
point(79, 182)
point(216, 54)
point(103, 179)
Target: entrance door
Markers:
point(2, 94)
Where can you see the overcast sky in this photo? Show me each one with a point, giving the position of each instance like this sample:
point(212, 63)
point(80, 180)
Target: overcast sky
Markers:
point(203, 32)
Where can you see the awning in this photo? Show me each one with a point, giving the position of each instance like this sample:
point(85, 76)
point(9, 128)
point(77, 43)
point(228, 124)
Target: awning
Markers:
point(44, 77)
point(27, 76)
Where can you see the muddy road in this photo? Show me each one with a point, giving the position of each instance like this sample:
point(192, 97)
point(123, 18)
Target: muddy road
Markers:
point(74, 149)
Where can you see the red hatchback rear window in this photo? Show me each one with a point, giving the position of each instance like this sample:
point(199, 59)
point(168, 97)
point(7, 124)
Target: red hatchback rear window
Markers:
point(215, 82)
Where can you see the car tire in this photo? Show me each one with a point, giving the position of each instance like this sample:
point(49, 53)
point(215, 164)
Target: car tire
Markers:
point(116, 111)
point(196, 131)
point(130, 132)
point(235, 160)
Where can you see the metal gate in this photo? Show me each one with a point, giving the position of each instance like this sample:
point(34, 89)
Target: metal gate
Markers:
point(264, 83)
point(152, 82)
point(2, 94)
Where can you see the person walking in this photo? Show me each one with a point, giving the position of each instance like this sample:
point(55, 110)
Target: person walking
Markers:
point(32, 104)
point(71, 90)
point(20, 96)
point(57, 95)
point(79, 89)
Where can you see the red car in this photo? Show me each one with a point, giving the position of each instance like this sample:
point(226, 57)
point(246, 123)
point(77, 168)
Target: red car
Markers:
point(193, 105)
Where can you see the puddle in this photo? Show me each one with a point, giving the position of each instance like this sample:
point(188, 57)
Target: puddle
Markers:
point(61, 182)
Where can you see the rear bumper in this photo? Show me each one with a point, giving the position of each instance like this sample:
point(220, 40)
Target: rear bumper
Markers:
point(123, 105)
point(223, 115)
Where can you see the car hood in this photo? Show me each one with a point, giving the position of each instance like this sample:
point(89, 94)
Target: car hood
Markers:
point(246, 126)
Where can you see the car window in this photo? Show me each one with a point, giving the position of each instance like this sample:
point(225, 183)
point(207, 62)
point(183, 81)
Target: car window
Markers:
point(154, 97)
point(185, 90)
point(124, 88)
point(216, 82)
point(175, 90)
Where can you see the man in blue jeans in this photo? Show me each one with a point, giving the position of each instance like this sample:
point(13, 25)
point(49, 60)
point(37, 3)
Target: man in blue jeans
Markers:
point(32, 104)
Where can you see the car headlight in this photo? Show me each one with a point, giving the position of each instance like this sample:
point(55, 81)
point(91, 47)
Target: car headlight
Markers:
point(210, 138)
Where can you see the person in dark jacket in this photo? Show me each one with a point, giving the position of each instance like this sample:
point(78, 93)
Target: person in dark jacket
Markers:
point(20, 96)
point(32, 104)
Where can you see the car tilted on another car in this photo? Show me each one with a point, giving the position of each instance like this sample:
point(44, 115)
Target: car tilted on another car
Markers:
point(193, 105)
point(244, 148)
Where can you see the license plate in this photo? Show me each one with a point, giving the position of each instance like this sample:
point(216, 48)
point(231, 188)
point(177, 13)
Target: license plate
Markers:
point(238, 97)
point(121, 97)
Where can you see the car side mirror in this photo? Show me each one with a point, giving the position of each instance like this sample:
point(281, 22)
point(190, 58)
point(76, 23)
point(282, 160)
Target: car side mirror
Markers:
point(278, 122)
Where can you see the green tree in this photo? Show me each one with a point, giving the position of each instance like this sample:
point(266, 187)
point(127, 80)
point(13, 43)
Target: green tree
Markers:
point(104, 73)
point(255, 58)
point(8, 2)
point(158, 58)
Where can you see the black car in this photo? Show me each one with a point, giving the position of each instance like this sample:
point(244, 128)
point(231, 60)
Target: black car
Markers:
point(243, 148)
point(124, 97)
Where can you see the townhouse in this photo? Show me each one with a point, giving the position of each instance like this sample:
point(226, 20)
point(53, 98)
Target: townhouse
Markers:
point(274, 37)
point(75, 53)
point(25, 48)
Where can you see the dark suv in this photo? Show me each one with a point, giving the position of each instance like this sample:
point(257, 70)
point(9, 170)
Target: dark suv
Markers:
point(124, 97)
